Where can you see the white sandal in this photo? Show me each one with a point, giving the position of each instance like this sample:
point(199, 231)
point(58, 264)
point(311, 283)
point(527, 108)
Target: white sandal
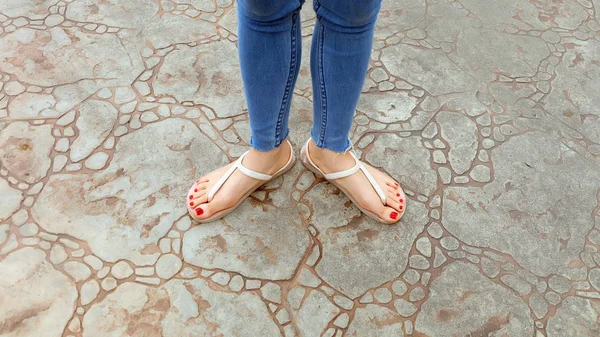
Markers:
point(331, 177)
point(248, 172)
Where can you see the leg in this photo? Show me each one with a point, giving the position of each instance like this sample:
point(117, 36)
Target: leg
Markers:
point(269, 51)
point(340, 55)
point(270, 54)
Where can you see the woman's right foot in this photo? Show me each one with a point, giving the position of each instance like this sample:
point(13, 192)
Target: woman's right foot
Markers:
point(358, 186)
point(238, 185)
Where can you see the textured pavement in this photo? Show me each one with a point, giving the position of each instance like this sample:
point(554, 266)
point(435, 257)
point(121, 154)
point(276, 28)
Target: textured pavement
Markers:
point(487, 111)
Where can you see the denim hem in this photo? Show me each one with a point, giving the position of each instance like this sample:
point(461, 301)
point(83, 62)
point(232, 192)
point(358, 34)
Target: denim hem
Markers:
point(338, 148)
point(266, 146)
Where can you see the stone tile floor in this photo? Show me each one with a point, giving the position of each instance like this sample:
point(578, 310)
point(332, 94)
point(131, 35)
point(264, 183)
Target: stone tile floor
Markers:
point(110, 108)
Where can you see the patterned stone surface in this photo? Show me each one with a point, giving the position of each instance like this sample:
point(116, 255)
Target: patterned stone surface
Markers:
point(11, 199)
point(485, 111)
point(314, 315)
point(96, 120)
point(178, 308)
point(256, 246)
point(461, 135)
point(357, 254)
point(570, 99)
point(171, 29)
point(376, 321)
point(463, 301)
point(95, 56)
point(124, 210)
point(34, 9)
point(480, 49)
point(537, 208)
point(199, 75)
point(531, 15)
point(388, 107)
point(413, 171)
point(37, 299)
point(25, 150)
point(30, 105)
point(427, 68)
point(576, 317)
point(130, 14)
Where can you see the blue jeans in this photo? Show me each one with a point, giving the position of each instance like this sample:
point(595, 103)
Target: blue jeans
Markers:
point(269, 41)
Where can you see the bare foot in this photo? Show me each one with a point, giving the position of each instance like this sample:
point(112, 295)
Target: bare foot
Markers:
point(238, 184)
point(358, 186)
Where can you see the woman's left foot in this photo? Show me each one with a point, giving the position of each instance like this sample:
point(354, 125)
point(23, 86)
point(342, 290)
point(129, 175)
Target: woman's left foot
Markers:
point(232, 183)
point(357, 185)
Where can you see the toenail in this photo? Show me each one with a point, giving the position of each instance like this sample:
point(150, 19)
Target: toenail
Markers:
point(394, 215)
point(196, 190)
point(401, 207)
point(191, 197)
point(199, 211)
point(401, 200)
point(192, 203)
point(397, 194)
point(396, 184)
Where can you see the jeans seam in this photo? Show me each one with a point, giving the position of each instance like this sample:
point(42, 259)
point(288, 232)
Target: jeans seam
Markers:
point(322, 89)
point(288, 85)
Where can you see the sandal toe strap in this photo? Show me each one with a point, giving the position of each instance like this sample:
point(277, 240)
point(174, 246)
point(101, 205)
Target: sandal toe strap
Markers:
point(374, 183)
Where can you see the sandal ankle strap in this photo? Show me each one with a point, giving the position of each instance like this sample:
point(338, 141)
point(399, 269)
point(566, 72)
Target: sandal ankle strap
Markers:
point(246, 171)
point(346, 173)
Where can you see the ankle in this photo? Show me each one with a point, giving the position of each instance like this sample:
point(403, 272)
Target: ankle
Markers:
point(329, 160)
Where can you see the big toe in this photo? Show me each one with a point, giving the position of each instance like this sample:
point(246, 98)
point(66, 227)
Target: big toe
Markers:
point(390, 215)
point(200, 212)
point(207, 210)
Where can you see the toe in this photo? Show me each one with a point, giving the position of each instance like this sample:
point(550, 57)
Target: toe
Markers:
point(396, 205)
point(200, 181)
point(401, 196)
point(396, 195)
point(203, 186)
point(390, 215)
point(200, 184)
point(392, 184)
point(196, 192)
point(198, 200)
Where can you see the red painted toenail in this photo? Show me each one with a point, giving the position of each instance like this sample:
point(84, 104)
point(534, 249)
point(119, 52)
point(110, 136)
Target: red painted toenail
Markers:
point(195, 190)
point(397, 194)
point(394, 215)
point(191, 197)
point(199, 211)
point(396, 184)
point(401, 207)
point(192, 203)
